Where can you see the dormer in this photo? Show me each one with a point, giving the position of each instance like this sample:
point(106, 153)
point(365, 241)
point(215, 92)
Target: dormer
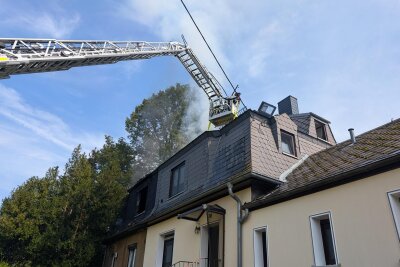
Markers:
point(285, 135)
point(309, 123)
point(320, 129)
point(140, 199)
point(314, 126)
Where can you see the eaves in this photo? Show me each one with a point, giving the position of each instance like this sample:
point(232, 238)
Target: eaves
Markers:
point(242, 181)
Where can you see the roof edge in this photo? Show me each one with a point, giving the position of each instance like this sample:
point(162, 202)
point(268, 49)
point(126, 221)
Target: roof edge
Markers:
point(244, 182)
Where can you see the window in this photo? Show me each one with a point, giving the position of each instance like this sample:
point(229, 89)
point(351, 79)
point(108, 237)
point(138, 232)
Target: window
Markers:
point(323, 240)
point(177, 180)
point(320, 129)
point(141, 200)
point(165, 249)
point(260, 247)
point(132, 255)
point(288, 145)
point(394, 201)
point(168, 250)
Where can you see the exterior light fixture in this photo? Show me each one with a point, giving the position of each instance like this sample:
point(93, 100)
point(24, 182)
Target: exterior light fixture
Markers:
point(267, 109)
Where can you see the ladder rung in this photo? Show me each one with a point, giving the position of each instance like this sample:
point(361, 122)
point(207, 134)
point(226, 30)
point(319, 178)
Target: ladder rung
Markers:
point(181, 55)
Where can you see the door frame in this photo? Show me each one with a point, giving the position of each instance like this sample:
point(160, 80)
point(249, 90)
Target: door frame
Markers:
point(204, 241)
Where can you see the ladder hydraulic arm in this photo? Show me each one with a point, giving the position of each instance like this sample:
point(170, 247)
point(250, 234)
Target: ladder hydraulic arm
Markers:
point(24, 56)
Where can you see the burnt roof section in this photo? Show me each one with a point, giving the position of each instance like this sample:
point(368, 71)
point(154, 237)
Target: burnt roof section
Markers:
point(339, 164)
point(197, 140)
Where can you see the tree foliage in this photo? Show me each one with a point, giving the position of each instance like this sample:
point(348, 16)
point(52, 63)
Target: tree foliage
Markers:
point(160, 126)
point(28, 220)
point(61, 219)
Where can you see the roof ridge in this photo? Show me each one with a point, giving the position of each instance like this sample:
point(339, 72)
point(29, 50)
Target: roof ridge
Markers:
point(357, 136)
point(381, 126)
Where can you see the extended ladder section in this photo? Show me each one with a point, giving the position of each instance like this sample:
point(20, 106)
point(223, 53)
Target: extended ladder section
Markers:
point(24, 56)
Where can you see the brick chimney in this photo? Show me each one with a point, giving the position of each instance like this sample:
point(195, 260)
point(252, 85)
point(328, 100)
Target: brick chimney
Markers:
point(288, 105)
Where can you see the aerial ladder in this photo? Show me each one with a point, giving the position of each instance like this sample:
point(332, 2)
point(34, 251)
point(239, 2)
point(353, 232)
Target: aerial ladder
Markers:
point(24, 56)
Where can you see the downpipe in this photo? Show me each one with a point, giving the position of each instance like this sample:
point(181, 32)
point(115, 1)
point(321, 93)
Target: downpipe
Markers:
point(241, 218)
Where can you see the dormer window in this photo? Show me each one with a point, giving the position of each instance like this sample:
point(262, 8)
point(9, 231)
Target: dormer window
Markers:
point(288, 144)
point(177, 183)
point(321, 131)
point(141, 200)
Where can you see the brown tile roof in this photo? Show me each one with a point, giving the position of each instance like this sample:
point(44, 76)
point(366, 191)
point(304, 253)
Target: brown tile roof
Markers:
point(337, 162)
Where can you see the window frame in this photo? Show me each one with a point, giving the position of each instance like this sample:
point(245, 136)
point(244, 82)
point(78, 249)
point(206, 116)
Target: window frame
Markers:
point(316, 238)
point(293, 141)
point(259, 262)
point(171, 182)
point(395, 209)
point(139, 197)
point(160, 247)
point(132, 247)
point(170, 235)
point(323, 126)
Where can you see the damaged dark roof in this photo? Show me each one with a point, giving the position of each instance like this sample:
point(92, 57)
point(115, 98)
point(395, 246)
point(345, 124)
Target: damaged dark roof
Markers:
point(339, 164)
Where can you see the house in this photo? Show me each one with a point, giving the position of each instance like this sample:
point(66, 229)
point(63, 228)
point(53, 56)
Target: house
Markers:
point(129, 234)
point(341, 206)
point(267, 190)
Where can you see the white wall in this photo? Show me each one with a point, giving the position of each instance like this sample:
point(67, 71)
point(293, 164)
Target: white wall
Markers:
point(361, 218)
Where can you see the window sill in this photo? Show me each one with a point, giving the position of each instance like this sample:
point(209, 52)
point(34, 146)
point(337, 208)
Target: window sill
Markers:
point(176, 195)
point(335, 265)
point(289, 155)
point(325, 141)
point(138, 214)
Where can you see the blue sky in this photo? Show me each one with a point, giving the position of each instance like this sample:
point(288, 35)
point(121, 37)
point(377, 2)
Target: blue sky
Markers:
point(341, 59)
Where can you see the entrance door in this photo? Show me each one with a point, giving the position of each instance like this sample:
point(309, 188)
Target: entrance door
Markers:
point(213, 245)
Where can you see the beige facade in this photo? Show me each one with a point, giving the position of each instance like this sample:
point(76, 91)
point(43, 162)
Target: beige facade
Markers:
point(188, 244)
point(362, 221)
point(120, 249)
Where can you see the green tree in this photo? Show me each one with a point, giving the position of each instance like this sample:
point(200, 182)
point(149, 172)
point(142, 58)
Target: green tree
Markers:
point(113, 167)
point(28, 221)
point(61, 219)
point(162, 125)
point(93, 189)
